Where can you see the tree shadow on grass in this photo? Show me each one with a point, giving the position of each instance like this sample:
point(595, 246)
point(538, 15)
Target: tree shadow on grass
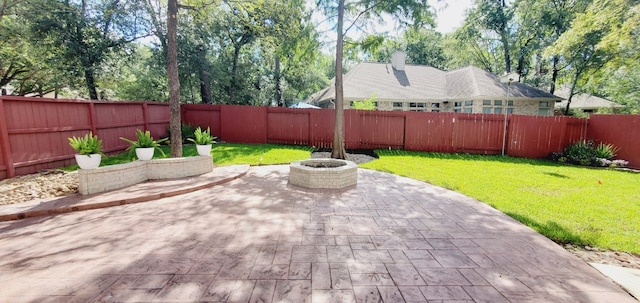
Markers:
point(553, 230)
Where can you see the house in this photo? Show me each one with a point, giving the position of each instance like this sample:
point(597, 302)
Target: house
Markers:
point(584, 102)
point(402, 87)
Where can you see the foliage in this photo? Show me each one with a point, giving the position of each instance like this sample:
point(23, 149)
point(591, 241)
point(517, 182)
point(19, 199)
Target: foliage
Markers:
point(143, 140)
point(85, 34)
point(568, 204)
point(139, 76)
point(188, 131)
point(367, 104)
point(202, 137)
point(587, 153)
point(422, 46)
point(87, 145)
point(593, 40)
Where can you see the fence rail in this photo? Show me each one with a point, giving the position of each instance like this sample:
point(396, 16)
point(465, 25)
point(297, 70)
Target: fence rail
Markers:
point(34, 131)
point(527, 136)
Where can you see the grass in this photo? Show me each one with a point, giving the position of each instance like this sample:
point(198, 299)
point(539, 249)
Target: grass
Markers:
point(568, 204)
point(226, 154)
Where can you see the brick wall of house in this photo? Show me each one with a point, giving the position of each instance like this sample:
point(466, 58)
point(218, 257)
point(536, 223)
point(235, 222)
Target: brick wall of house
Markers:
point(522, 107)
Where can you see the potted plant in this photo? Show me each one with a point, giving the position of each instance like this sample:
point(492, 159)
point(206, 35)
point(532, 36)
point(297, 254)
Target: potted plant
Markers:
point(203, 141)
point(144, 145)
point(89, 150)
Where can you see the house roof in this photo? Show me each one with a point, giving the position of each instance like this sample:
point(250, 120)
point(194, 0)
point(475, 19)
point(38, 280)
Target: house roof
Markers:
point(584, 101)
point(420, 82)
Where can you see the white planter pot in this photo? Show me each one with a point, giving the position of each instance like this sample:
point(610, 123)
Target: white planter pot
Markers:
point(88, 161)
point(145, 153)
point(204, 150)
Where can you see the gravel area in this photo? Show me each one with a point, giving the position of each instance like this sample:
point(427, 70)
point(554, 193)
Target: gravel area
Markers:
point(57, 183)
point(47, 184)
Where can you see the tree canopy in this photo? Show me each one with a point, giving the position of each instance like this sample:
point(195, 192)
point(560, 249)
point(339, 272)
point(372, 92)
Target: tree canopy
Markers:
point(272, 52)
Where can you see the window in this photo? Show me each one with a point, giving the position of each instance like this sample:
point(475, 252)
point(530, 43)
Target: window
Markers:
point(398, 105)
point(544, 109)
point(463, 107)
point(417, 106)
point(498, 107)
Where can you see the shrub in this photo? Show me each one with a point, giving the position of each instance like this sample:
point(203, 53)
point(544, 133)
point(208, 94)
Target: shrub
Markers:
point(144, 140)
point(202, 137)
point(605, 151)
point(587, 153)
point(87, 145)
point(187, 131)
point(581, 152)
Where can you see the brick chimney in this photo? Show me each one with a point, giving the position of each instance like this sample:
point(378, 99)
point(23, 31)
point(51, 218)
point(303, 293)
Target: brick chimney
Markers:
point(397, 60)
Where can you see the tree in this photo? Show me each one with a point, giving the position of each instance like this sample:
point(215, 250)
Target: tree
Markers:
point(406, 11)
point(87, 32)
point(468, 46)
point(495, 15)
point(174, 82)
point(540, 23)
point(338, 150)
point(593, 40)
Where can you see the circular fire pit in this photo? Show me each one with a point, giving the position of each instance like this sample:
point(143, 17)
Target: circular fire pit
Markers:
point(323, 173)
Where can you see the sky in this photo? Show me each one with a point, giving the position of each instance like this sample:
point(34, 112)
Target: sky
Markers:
point(450, 14)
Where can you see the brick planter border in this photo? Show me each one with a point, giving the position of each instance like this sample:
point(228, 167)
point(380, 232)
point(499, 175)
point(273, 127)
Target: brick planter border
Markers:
point(118, 176)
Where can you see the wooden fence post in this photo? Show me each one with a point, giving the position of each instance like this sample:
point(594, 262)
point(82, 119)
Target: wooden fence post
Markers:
point(4, 141)
point(92, 118)
point(145, 115)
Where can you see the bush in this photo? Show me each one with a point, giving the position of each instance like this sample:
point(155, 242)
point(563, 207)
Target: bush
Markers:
point(606, 151)
point(587, 153)
point(187, 131)
point(581, 152)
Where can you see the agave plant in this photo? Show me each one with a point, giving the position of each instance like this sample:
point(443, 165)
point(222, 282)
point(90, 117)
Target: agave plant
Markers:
point(144, 140)
point(87, 145)
point(202, 137)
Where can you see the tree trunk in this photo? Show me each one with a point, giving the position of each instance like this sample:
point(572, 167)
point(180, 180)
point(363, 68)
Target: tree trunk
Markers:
point(505, 45)
point(205, 80)
point(174, 81)
point(278, 95)
point(234, 74)
point(90, 80)
point(554, 74)
point(337, 151)
point(571, 90)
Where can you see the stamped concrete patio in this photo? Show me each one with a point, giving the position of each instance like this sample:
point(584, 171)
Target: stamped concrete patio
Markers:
point(258, 239)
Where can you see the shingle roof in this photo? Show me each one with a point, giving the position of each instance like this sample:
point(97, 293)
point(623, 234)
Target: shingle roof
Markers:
point(421, 82)
point(584, 101)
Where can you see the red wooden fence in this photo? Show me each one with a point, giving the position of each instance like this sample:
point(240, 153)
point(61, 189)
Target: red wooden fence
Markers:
point(527, 136)
point(34, 131)
point(623, 131)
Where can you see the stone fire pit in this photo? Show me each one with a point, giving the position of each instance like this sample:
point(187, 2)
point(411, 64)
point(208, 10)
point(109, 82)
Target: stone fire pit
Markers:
point(323, 173)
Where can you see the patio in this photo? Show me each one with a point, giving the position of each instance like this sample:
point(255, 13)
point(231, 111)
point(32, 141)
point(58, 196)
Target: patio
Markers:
point(258, 239)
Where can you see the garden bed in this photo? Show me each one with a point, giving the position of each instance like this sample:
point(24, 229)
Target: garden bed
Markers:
point(118, 176)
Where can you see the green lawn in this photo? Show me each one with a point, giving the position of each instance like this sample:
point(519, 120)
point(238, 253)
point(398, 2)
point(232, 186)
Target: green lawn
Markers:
point(226, 154)
point(584, 206)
